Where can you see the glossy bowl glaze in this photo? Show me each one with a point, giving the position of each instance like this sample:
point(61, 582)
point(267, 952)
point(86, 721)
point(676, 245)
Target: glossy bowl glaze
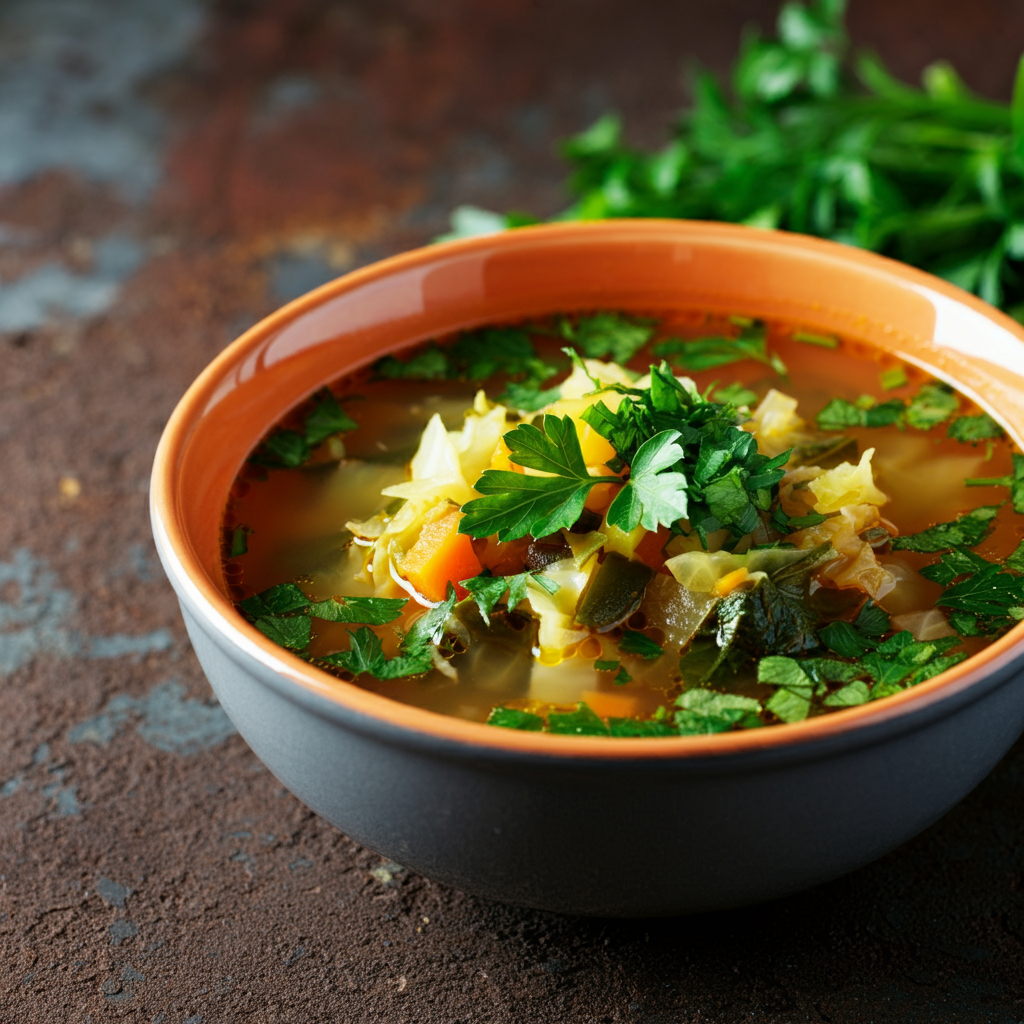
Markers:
point(589, 825)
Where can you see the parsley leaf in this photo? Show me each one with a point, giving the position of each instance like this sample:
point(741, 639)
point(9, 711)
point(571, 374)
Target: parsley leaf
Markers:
point(289, 449)
point(292, 632)
point(699, 354)
point(581, 722)
point(515, 504)
point(846, 640)
point(608, 335)
point(735, 394)
point(372, 611)
point(934, 403)
point(653, 496)
point(972, 429)
point(621, 675)
point(511, 718)
point(966, 530)
point(706, 711)
point(792, 700)
point(487, 590)
point(1015, 481)
point(641, 645)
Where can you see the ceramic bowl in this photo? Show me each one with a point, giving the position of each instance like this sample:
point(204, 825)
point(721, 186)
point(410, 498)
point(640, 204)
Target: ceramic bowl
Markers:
point(625, 827)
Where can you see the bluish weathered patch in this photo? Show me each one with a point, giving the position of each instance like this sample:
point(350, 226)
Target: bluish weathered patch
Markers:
point(12, 785)
point(70, 87)
point(32, 623)
point(112, 892)
point(121, 930)
point(120, 644)
point(294, 273)
point(33, 299)
point(35, 620)
point(169, 721)
point(65, 799)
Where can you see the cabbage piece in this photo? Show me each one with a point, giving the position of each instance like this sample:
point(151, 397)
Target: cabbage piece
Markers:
point(857, 564)
point(435, 470)
point(675, 610)
point(847, 484)
point(700, 571)
point(557, 632)
point(775, 424)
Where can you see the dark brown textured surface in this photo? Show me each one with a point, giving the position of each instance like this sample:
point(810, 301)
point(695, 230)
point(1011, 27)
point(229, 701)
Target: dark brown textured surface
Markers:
point(170, 173)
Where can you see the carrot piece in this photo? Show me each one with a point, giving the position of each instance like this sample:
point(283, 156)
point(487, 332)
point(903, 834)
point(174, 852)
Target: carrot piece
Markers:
point(730, 581)
point(440, 555)
point(610, 705)
point(651, 549)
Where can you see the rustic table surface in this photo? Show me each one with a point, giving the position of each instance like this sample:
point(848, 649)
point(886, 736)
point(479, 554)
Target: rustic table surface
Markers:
point(169, 173)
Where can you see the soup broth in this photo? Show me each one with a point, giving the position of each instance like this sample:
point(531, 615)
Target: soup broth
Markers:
point(810, 600)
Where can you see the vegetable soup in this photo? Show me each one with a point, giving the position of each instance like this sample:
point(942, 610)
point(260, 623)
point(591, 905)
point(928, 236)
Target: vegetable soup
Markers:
point(602, 523)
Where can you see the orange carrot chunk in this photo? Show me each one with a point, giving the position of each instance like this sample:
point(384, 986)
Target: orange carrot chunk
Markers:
point(441, 555)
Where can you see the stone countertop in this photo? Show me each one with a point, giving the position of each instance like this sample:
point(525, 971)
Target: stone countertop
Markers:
point(169, 173)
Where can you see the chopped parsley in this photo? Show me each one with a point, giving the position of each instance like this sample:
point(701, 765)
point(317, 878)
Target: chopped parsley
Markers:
point(289, 449)
point(972, 429)
point(608, 335)
point(933, 403)
point(639, 644)
point(515, 504)
point(967, 530)
point(487, 590)
point(698, 354)
point(1015, 481)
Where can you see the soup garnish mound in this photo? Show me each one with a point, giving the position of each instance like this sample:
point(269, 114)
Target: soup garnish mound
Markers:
point(606, 524)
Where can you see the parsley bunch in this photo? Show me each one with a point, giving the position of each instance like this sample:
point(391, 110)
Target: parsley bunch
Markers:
point(815, 138)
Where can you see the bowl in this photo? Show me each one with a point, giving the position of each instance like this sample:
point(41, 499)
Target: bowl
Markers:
point(588, 825)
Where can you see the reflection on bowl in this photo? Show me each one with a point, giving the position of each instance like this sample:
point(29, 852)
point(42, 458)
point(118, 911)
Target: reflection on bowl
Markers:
point(588, 824)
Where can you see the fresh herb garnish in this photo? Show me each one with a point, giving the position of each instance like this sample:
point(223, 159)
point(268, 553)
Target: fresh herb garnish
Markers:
point(706, 711)
point(1015, 481)
point(289, 449)
point(698, 354)
point(735, 394)
point(655, 495)
point(972, 429)
point(639, 644)
point(985, 598)
point(487, 590)
point(515, 504)
point(475, 356)
point(825, 141)
point(239, 542)
point(967, 530)
point(512, 718)
point(895, 377)
point(608, 335)
point(621, 675)
point(728, 482)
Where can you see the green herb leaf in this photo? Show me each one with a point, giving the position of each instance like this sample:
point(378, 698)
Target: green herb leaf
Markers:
point(894, 377)
point(581, 722)
point(515, 504)
point(654, 496)
point(511, 718)
point(292, 631)
point(966, 530)
point(326, 419)
point(239, 542)
point(845, 640)
point(706, 711)
point(1015, 482)
point(640, 645)
point(609, 335)
point(972, 429)
point(933, 404)
point(372, 611)
point(488, 590)
point(735, 394)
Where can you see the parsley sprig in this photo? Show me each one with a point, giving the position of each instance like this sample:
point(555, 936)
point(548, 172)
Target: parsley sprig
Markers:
point(819, 139)
point(517, 504)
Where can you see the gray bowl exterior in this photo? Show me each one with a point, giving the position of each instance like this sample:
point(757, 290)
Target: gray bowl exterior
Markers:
point(612, 837)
